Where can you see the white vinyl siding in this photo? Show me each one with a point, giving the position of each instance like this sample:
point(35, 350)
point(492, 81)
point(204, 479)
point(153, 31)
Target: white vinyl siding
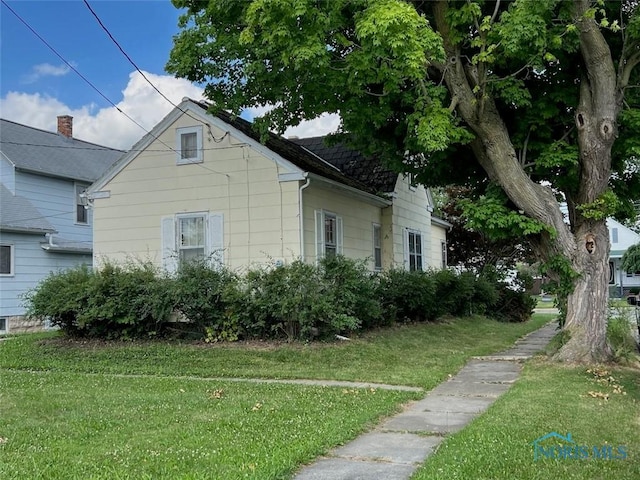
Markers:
point(189, 144)
point(191, 236)
point(329, 234)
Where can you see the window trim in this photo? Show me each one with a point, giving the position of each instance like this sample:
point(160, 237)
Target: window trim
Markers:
point(185, 131)
point(4, 329)
point(78, 203)
point(377, 236)
point(12, 266)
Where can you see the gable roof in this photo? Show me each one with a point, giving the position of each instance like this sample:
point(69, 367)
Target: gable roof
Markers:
point(52, 154)
point(367, 170)
point(295, 157)
point(19, 215)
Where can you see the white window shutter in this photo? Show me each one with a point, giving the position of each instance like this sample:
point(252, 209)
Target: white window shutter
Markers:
point(216, 239)
point(168, 244)
point(319, 234)
point(339, 240)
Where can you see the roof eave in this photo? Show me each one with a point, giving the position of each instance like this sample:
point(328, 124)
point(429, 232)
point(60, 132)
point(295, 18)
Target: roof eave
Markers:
point(351, 191)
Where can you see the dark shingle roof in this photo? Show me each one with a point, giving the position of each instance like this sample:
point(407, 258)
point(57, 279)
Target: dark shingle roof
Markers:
point(48, 153)
point(367, 170)
point(18, 214)
point(300, 156)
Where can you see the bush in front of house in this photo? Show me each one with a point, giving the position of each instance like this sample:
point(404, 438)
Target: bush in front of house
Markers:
point(116, 301)
point(61, 297)
point(408, 296)
point(295, 301)
point(211, 300)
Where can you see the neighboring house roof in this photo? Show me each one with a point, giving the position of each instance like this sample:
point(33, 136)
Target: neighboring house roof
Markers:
point(48, 153)
point(19, 215)
point(367, 170)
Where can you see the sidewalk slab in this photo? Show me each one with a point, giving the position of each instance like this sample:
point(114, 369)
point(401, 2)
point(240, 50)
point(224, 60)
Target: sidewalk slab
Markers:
point(343, 469)
point(437, 423)
point(392, 447)
point(452, 404)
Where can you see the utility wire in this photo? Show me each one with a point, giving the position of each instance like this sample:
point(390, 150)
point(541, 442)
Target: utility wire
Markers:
point(142, 73)
point(103, 95)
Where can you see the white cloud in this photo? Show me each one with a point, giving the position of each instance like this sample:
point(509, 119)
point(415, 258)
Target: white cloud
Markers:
point(46, 70)
point(320, 126)
point(107, 126)
point(104, 126)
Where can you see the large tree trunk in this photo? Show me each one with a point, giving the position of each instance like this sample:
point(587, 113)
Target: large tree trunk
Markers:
point(586, 245)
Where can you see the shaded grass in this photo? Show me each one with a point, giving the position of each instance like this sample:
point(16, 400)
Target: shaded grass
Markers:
point(420, 355)
point(547, 398)
point(75, 426)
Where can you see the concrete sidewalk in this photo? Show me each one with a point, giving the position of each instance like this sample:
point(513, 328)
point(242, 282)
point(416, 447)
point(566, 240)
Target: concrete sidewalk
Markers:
point(396, 448)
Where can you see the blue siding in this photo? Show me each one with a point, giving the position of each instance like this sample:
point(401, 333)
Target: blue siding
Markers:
point(7, 175)
point(56, 199)
point(31, 264)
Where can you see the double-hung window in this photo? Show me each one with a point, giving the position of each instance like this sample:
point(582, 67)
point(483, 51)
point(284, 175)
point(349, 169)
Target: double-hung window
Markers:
point(413, 251)
point(189, 144)
point(377, 247)
point(82, 213)
point(328, 234)
point(6, 260)
point(192, 236)
point(192, 242)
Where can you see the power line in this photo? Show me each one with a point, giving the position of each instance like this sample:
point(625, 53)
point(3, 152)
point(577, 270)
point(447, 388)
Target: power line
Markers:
point(142, 73)
point(26, 24)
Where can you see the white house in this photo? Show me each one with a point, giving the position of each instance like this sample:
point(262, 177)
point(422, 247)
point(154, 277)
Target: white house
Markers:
point(621, 238)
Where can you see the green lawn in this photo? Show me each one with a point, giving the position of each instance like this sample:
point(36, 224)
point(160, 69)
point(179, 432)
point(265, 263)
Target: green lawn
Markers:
point(91, 410)
point(548, 398)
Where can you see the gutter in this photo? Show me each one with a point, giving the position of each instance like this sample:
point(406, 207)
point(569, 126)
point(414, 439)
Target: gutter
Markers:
point(301, 214)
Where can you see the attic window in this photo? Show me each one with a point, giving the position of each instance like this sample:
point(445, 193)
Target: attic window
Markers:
point(82, 214)
point(189, 145)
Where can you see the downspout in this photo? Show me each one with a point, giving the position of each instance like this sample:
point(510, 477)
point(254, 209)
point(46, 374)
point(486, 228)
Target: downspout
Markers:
point(301, 214)
point(49, 237)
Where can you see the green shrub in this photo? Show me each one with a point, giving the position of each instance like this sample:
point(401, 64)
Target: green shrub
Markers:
point(127, 301)
point(485, 295)
point(408, 296)
point(620, 336)
point(61, 297)
point(211, 300)
point(354, 289)
point(295, 301)
point(513, 305)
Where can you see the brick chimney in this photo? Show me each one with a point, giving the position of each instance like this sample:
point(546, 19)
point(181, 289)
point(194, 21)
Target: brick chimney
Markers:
point(65, 125)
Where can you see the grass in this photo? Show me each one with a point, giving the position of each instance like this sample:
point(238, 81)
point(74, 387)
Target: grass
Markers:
point(548, 398)
point(74, 410)
point(417, 355)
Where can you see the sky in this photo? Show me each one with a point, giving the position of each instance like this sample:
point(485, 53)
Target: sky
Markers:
point(37, 84)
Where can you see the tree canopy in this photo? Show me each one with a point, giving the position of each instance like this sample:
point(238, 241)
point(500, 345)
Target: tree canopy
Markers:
point(525, 102)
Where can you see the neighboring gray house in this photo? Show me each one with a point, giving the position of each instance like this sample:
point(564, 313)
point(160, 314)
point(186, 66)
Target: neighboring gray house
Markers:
point(44, 225)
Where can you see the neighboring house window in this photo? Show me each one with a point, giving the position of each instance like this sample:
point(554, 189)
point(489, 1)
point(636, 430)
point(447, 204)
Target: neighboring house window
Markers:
point(6, 260)
point(443, 248)
point(192, 236)
point(328, 234)
point(189, 144)
point(3, 325)
point(614, 235)
point(82, 214)
point(413, 251)
point(377, 247)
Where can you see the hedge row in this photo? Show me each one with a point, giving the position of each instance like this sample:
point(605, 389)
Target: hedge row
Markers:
point(295, 301)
